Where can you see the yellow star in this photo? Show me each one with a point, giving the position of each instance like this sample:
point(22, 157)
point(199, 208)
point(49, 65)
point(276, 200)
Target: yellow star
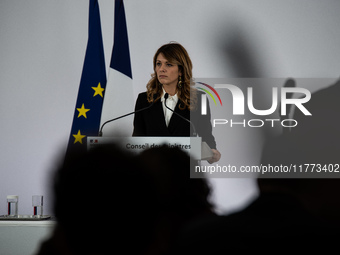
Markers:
point(98, 90)
point(78, 137)
point(82, 111)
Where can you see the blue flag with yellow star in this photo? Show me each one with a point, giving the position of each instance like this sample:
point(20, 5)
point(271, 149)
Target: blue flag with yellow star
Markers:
point(87, 114)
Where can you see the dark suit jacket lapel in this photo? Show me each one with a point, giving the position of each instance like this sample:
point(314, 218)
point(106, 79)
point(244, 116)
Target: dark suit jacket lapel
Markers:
point(158, 114)
point(175, 120)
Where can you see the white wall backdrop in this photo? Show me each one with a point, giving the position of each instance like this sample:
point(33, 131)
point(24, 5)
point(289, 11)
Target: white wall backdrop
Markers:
point(42, 47)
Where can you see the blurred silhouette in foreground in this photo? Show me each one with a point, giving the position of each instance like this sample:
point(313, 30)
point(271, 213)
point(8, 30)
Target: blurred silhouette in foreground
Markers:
point(182, 199)
point(111, 202)
point(294, 210)
point(101, 198)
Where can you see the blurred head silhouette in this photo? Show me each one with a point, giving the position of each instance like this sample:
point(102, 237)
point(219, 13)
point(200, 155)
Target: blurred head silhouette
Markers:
point(110, 201)
point(102, 199)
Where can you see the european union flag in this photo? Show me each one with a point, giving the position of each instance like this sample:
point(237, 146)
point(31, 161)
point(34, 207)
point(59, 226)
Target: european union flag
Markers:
point(87, 113)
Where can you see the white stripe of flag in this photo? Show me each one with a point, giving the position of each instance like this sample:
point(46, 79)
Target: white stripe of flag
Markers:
point(118, 99)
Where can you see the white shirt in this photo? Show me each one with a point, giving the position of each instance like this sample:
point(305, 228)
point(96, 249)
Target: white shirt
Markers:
point(171, 103)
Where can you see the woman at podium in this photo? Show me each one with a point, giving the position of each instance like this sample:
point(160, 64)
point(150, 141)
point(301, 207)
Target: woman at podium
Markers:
point(171, 105)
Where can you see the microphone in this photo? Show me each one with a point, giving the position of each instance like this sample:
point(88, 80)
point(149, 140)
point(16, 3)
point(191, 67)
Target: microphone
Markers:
point(145, 108)
point(192, 124)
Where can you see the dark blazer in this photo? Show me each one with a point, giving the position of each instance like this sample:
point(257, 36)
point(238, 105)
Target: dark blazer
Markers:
point(151, 122)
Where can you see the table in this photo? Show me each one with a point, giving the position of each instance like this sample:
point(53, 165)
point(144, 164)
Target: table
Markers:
point(24, 237)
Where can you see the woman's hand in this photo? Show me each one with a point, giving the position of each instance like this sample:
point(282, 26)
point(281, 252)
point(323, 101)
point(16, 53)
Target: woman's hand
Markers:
point(216, 156)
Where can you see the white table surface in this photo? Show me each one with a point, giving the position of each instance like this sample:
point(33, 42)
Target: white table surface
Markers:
point(23, 237)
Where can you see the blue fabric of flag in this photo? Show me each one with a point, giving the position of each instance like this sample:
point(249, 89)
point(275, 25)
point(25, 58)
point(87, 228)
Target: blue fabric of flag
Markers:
point(120, 59)
point(87, 114)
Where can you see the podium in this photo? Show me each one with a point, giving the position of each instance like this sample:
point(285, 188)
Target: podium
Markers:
point(194, 146)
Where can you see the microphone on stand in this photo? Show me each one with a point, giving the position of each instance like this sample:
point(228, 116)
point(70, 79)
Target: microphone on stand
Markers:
point(192, 124)
point(140, 110)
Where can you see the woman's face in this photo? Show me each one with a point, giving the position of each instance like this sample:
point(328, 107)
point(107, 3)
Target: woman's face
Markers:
point(167, 73)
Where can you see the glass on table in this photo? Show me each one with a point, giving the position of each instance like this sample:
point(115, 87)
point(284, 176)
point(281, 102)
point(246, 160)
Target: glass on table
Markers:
point(37, 203)
point(12, 203)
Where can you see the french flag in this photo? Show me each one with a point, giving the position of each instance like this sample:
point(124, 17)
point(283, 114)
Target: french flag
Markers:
point(87, 112)
point(118, 99)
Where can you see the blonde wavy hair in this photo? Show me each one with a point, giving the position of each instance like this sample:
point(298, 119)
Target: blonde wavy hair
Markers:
point(175, 54)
